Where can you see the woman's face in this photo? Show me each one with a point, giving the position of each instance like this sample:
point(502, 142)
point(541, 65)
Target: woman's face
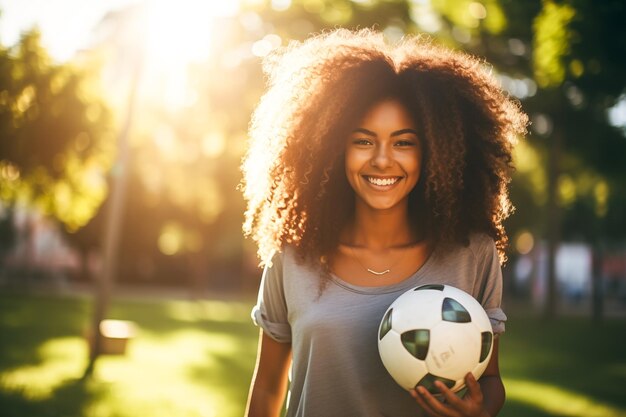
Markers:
point(384, 156)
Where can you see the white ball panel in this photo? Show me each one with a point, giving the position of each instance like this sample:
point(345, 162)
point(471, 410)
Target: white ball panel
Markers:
point(454, 350)
point(479, 369)
point(480, 318)
point(414, 310)
point(405, 369)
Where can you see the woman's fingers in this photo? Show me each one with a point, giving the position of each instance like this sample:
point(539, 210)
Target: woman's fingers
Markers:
point(420, 401)
point(473, 388)
point(453, 406)
point(432, 405)
point(450, 396)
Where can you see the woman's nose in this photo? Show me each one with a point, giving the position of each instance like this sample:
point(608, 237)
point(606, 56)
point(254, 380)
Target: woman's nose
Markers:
point(381, 158)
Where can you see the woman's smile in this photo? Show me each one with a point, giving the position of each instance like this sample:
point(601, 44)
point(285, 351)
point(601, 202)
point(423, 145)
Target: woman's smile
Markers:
point(382, 183)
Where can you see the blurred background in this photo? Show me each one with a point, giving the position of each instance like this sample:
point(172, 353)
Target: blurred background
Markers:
point(122, 127)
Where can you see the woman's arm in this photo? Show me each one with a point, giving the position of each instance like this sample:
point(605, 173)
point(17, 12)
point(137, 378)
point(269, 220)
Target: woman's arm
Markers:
point(484, 398)
point(269, 383)
point(491, 384)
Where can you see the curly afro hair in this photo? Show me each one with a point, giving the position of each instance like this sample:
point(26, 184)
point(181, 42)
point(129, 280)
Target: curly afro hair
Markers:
point(318, 90)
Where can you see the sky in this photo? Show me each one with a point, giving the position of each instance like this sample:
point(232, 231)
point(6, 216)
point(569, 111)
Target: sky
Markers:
point(174, 32)
point(65, 24)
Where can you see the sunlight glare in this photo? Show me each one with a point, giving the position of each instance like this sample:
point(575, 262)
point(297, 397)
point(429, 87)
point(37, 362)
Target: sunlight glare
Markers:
point(213, 144)
point(266, 45)
point(177, 34)
point(557, 400)
point(209, 310)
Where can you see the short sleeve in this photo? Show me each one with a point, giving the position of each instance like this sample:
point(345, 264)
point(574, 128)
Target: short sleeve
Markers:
point(490, 273)
point(270, 311)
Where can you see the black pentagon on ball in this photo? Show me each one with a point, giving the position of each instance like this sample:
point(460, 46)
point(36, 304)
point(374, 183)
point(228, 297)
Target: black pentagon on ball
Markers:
point(428, 382)
point(416, 342)
point(437, 287)
point(452, 310)
point(385, 325)
point(485, 346)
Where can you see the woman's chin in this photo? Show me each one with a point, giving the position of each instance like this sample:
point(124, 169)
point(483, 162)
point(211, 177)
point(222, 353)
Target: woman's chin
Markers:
point(382, 204)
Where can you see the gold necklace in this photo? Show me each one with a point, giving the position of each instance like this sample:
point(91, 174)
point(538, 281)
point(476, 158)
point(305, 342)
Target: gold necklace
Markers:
point(371, 271)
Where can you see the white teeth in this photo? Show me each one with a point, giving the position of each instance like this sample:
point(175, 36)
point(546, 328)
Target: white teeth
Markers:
point(382, 181)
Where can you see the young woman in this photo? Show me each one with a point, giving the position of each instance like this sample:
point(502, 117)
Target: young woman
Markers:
point(372, 168)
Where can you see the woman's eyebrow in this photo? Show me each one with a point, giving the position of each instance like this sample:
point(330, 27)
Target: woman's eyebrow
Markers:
point(396, 133)
point(403, 131)
point(363, 130)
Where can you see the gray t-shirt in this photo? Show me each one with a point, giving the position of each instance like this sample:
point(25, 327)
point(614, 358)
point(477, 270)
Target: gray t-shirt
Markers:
point(336, 368)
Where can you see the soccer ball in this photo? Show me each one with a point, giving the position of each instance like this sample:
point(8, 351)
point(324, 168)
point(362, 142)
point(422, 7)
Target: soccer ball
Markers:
point(435, 333)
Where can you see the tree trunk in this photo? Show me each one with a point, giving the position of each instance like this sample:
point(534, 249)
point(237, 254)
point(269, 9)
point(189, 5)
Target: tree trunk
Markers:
point(553, 228)
point(597, 292)
point(112, 230)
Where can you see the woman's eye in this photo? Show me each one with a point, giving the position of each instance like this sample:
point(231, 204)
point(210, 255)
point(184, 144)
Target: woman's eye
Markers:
point(405, 143)
point(362, 142)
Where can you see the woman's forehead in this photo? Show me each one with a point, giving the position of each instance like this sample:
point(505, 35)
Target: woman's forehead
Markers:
point(386, 113)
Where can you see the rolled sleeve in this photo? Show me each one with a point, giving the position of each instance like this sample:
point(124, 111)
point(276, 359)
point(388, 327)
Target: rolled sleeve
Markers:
point(281, 332)
point(270, 311)
point(490, 273)
point(497, 319)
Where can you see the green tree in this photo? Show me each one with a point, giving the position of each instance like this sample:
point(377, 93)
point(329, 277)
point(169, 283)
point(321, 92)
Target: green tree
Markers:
point(55, 134)
point(574, 53)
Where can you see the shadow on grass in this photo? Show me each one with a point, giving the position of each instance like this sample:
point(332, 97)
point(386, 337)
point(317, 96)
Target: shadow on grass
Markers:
point(27, 322)
point(70, 399)
point(571, 353)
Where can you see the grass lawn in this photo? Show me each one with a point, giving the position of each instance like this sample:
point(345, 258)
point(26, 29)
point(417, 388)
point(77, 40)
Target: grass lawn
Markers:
point(193, 359)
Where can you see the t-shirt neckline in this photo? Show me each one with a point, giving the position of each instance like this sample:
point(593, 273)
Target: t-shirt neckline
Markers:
point(384, 289)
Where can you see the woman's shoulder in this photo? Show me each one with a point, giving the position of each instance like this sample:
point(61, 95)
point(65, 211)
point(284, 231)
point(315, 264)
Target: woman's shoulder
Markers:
point(286, 254)
point(480, 241)
point(477, 245)
point(274, 260)
point(482, 245)
point(460, 259)
point(274, 264)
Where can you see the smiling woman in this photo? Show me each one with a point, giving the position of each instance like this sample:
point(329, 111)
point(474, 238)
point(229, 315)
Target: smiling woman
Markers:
point(372, 168)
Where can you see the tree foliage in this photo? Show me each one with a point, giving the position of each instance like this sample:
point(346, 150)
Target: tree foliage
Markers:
point(565, 60)
point(55, 135)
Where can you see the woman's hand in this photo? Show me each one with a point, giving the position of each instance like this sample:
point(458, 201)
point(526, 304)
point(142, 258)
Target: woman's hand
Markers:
point(471, 405)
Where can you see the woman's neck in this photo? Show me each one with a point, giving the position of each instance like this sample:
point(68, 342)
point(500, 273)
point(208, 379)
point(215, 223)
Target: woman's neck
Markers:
point(379, 229)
